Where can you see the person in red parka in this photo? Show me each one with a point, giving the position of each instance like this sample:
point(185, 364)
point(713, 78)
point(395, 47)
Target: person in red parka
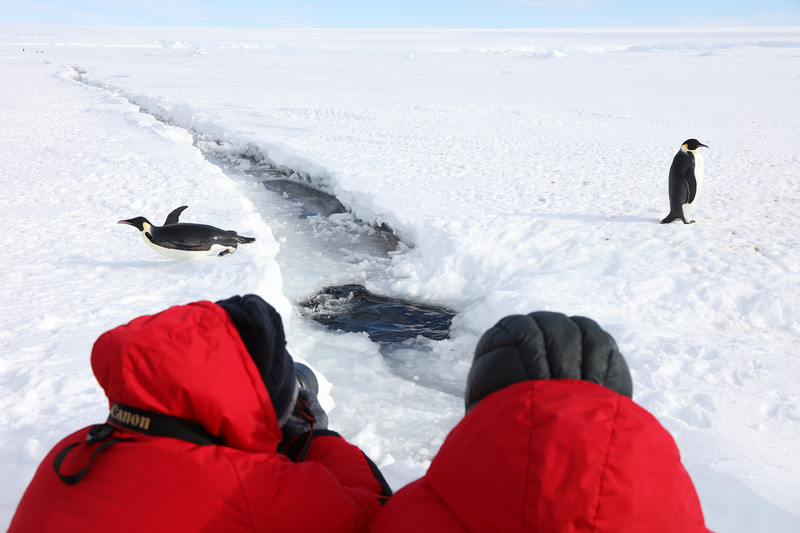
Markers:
point(198, 397)
point(551, 442)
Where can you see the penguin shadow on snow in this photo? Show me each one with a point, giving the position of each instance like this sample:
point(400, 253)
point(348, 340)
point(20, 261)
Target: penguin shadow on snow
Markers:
point(93, 262)
point(592, 219)
point(158, 265)
point(183, 240)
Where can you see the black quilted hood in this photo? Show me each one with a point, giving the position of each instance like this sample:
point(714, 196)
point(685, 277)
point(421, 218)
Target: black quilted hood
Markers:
point(545, 345)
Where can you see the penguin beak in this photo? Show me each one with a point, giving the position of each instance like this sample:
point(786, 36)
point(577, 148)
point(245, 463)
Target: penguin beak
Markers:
point(701, 144)
point(135, 222)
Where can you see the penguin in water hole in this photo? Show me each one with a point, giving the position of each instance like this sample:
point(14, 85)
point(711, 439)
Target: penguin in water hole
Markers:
point(183, 240)
point(685, 181)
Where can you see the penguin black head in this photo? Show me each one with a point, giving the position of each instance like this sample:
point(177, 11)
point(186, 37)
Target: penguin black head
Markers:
point(693, 144)
point(137, 222)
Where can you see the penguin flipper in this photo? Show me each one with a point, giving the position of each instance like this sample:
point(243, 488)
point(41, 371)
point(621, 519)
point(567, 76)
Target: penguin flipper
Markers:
point(182, 245)
point(691, 186)
point(172, 218)
point(175, 244)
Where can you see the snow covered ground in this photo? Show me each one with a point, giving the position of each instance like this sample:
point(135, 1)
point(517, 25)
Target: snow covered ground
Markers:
point(522, 170)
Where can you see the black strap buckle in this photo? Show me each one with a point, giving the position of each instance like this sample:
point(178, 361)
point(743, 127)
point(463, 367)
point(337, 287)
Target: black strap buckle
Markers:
point(97, 434)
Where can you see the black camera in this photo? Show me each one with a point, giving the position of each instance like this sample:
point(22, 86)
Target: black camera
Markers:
point(306, 378)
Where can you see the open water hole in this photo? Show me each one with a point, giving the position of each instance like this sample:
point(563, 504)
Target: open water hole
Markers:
point(327, 256)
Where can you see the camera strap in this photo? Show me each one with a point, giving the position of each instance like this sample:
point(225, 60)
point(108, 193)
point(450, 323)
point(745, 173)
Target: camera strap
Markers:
point(306, 415)
point(159, 425)
point(297, 447)
point(132, 419)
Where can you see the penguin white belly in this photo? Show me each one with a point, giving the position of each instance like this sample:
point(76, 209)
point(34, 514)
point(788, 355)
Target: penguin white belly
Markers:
point(186, 254)
point(698, 176)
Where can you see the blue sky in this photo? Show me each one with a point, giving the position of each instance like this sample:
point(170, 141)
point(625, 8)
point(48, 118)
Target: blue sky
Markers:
point(404, 13)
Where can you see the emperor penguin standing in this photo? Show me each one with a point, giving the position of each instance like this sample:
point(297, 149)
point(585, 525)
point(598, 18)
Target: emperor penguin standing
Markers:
point(685, 181)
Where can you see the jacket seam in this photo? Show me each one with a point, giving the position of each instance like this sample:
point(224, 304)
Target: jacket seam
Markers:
point(242, 492)
point(445, 503)
point(604, 470)
point(526, 483)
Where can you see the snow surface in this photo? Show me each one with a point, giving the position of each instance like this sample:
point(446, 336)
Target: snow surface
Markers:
point(522, 170)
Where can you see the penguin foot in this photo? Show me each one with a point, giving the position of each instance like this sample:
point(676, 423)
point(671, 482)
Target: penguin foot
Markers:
point(223, 252)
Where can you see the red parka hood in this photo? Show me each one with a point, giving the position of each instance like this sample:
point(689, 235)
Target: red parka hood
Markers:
point(189, 361)
point(566, 456)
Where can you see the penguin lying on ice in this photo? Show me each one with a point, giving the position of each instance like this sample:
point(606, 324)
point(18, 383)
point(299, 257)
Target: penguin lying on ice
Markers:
point(183, 240)
point(685, 180)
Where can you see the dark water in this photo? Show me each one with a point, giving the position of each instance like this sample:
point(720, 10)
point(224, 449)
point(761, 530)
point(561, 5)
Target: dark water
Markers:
point(314, 202)
point(403, 329)
point(353, 308)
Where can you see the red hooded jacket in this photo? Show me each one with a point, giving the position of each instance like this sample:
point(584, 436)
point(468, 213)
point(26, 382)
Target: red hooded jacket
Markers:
point(190, 362)
point(551, 456)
